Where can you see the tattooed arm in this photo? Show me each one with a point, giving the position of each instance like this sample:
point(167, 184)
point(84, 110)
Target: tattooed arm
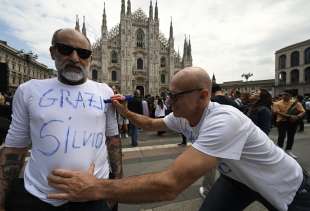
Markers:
point(114, 147)
point(11, 163)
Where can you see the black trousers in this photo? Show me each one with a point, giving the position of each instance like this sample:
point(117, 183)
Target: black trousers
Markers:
point(286, 129)
point(228, 194)
point(18, 199)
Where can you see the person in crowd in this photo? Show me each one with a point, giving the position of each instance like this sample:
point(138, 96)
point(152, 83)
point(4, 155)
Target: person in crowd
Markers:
point(237, 98)
point(123, 123)
point(145, 107)
point(160, 112)
point(288, 112)
point(218, 96)
point(245, 102)
point(2, 99)
point(301, 124)
point(135, 105)
point(67, 124)
point(260, 110)
point(307, 106)
point(252, 167)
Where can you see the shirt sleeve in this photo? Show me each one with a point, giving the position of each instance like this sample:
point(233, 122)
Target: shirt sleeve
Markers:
point(111, 121)
point(223, 136)
point(19, 133)
point(173, 123)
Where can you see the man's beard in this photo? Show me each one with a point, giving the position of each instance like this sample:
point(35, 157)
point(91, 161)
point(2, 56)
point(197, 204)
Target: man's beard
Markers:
point(72, 74)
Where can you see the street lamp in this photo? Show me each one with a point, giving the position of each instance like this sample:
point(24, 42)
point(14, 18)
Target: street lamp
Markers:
point(246, 76)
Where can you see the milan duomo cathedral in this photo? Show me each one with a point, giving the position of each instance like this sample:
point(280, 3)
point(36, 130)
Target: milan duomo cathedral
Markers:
point(134, 54)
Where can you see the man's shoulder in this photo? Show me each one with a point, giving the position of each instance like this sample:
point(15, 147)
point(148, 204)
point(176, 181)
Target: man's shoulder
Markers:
point(100, 85)
point(35, 82)
point(224, 112)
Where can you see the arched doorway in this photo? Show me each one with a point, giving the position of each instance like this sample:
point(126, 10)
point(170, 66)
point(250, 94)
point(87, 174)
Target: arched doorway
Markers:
point(141, 88)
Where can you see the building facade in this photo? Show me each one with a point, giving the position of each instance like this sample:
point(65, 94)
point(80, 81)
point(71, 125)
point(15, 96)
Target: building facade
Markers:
point(292, 69)
point(134, 54)
point(248, 86)
point(17, 67)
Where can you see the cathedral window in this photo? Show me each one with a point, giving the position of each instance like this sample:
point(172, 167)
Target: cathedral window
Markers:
point(95, 75)
point(307, 56)
point(162, 62)
point(307, 75)
point(282, 61)
point(114, 57)
point(114, 78)
point(140, 38)
point(163, 78)
point(295, 59)
point(140, 64)
point(294, 76)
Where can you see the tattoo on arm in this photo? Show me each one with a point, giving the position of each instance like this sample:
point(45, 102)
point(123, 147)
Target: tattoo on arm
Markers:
point(11, 163)
point(114, 147)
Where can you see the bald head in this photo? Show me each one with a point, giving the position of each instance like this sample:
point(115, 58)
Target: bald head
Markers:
point(68, 32)
point(192, 78)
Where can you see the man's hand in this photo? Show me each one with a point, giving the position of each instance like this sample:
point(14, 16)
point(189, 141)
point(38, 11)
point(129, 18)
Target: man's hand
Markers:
point(75, 186)
point(119, 104)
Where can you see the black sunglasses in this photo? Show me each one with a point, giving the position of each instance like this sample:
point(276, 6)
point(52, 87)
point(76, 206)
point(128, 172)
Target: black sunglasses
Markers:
point(67, 50)
point(174, 96)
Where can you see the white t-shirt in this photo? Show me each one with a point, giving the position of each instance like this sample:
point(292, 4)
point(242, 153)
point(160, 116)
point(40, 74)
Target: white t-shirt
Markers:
point(160, 112)
point(67, 127)
point(245, 153)
point(307, 105)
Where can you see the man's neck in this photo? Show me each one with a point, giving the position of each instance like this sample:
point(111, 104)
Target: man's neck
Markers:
point(72, 83)
point(195, 118)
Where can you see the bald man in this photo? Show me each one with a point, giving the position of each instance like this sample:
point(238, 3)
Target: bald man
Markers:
point(252, 167)
point(68, 126)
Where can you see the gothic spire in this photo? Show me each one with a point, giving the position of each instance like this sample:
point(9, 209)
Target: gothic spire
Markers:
point(84, 27)
point(171, 30)
point(77, 24)
point(213, 79)
point(184, 59)
point(123, 8)
point(151, 11)
point(128, 7)
point(104, 23)
point(156, 11)
point(189, 47)
point(185, 48)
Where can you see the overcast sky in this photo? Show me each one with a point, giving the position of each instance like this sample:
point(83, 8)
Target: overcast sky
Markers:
point(229, 37)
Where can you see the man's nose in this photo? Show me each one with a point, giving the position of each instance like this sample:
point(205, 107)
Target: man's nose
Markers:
point(74, 56)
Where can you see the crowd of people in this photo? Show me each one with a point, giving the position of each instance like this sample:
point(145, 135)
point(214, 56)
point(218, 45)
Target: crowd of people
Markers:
point(76, 158)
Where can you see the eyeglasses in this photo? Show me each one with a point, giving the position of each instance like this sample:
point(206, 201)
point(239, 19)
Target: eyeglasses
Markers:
point(174, 96)
point(67, 50)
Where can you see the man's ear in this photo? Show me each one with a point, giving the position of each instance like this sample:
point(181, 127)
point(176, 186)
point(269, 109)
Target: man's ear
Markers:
point(52, 52)
point(204, 94)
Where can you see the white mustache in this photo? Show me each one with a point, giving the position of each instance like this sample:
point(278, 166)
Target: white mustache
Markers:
point(73, 72)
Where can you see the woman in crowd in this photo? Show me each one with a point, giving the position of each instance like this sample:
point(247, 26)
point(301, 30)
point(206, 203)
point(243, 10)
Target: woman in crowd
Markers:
point(160, 111)
point(260, 110)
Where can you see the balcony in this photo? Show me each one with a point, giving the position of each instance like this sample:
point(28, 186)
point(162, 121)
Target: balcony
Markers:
point(139, 73)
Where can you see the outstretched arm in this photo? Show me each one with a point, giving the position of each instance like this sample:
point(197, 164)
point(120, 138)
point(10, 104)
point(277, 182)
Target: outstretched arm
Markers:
point(140, 121)
point(11, 163)
point(165, 185)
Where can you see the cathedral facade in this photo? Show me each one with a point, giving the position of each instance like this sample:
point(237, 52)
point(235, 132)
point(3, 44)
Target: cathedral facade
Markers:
point(135, 54)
